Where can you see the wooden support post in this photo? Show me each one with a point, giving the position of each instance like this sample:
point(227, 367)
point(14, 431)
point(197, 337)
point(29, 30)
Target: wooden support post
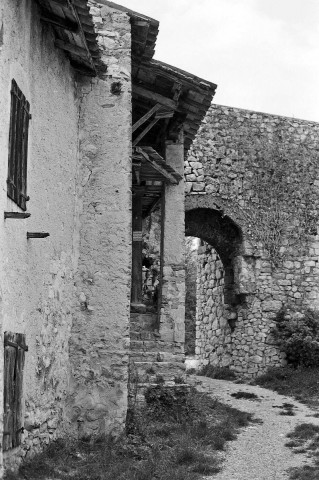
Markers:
point(136, 297)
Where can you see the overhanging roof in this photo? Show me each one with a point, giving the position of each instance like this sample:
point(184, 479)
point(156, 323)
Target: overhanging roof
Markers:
point(188, 95)
point(155, 82)
point(74, 32)
point(185, 96)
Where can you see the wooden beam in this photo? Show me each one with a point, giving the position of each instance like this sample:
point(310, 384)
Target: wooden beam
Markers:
point(70, 47)
point(145, 117)
point(164, 113)
point(53, 19)
point(155, 97)
point(147, 129)
point(158, 168)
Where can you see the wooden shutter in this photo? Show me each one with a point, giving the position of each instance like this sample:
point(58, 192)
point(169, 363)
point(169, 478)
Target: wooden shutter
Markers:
point(14, 353)
point(18, 147)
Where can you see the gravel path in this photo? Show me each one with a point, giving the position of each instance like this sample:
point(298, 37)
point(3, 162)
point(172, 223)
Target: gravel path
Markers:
point(259, 452)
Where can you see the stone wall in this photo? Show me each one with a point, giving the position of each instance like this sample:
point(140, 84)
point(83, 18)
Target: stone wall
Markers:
point(228, 335)
point(220, 184)
point(37, 275)
point(70, 292)
point(100, 331)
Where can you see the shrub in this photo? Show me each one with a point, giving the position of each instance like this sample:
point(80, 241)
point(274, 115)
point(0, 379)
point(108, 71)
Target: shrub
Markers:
point(297, 336)
point(168, 402)
point(220, 373)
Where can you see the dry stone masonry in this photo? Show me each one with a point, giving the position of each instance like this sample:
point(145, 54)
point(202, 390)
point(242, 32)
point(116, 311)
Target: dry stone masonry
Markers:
point(240, 288)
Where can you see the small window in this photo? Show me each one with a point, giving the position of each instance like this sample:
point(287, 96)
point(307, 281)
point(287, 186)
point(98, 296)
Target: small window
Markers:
point(18, 147)
point(14, 354)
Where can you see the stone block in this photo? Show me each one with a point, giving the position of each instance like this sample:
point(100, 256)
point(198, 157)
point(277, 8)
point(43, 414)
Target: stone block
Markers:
point(198, 186)
point(196, 164)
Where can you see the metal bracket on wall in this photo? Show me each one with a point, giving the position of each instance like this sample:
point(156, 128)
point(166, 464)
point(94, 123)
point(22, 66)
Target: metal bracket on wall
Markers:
point(16, 215)
point(37, 235)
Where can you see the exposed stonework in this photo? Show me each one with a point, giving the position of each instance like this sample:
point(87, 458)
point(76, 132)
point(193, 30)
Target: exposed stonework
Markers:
point(217, 189)
point(100, 331)
point(236, 336)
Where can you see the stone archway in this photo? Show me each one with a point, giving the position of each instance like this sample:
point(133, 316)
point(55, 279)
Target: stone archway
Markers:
point(225, 288)
point(223, 235)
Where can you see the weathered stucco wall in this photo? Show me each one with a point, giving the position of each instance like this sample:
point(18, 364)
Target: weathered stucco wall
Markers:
point(36, 275)
point(227, 156)
point(100, 332)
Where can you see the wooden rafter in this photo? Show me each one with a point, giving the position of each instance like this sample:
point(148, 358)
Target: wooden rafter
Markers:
point(70, 47)
point(155, 97)
point(145, 117)
point(53, 19)
point(147, 129)
point(164, 113)
point(169, 176)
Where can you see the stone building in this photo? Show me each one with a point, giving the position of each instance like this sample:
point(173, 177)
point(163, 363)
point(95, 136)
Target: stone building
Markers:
point(251, 183)
point(85, 111)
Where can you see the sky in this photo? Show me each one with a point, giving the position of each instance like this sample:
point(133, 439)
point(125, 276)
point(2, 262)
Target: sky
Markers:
point(262, 54)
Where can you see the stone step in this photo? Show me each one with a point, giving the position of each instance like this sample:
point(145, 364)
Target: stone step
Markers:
point(137, 327)
point(144, 321)
point(156, 356)
point(144, 335)
point(153, 372)
point(154, 346)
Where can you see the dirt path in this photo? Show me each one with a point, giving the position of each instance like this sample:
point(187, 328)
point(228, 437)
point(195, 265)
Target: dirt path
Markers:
point(259, 453)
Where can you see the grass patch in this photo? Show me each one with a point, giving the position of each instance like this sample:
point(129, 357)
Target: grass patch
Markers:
point(177, 436)
point(219, 373)
point(305, 439)
point(300, 383)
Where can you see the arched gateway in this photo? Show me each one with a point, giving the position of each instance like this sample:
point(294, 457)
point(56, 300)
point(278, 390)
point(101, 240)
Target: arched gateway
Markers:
point(228, 317)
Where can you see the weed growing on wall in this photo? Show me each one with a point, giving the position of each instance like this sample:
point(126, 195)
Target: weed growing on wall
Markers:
point(275, 193)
